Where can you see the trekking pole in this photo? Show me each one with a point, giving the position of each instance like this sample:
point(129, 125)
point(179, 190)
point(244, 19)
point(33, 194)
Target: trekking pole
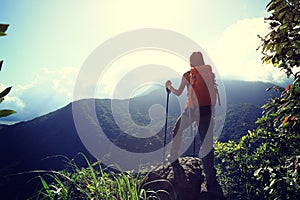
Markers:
point(166, 126)
point(194, 148)
point(192, 134)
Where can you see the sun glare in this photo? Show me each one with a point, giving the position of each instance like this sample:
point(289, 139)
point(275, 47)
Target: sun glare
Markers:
point(128, 66)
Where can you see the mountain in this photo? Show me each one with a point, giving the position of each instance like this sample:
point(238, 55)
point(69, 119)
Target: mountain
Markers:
point(244, 101)
point(42, 142)
point(239, 119)
point(253, 93)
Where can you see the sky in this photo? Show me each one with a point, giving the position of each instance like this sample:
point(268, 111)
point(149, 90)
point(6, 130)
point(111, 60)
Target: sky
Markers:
point(48, 42)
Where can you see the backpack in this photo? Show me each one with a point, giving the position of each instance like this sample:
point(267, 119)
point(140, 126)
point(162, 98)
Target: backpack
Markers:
point(202, 90)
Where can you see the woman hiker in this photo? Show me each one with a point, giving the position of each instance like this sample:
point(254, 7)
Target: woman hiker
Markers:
point(202, 95)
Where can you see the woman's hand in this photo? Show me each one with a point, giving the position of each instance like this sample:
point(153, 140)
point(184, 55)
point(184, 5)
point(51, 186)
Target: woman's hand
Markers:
point(168, 84)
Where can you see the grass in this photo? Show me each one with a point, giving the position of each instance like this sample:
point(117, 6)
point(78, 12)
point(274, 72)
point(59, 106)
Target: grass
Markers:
point(91, 182)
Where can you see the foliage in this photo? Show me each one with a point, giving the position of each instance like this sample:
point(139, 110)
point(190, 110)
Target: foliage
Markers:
point(89, 183)
point(5, 112)
point(239, 119)
point(283, 180)
point(3, 29)
point(264, 163)
point(281, 46)
point(282, 49)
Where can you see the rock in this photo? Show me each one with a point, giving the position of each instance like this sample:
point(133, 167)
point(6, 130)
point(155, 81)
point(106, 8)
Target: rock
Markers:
point(182, 181)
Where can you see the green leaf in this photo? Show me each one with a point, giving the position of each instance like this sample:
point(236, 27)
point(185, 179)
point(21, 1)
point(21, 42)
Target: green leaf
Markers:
point(272, 182)
point(289, 53)
point(257, 171)
point(278, 51)
point(5, 92)
point(3, 27)
point(283, 26)
point(1, 63)
point(4, 113)
point(268, 61)
point(91, 188)
point(281, 14)
point(46, 187)
point(271, 5)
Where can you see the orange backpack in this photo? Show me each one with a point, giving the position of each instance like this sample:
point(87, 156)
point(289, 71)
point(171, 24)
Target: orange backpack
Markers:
point(203, 88)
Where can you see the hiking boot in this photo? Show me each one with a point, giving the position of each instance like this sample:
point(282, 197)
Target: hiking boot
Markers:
point(216, 191)
point(175, 164)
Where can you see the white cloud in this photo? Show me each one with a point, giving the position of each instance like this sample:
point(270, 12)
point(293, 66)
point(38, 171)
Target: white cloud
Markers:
point(235, 53)
point(9, 100)
point(49, 90)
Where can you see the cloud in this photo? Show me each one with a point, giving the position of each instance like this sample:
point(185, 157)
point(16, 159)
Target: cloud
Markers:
point(49, 90)
point(137, 70)
point(235, 53)
point(8, 100)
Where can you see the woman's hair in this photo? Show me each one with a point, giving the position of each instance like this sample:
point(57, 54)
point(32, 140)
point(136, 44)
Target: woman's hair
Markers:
point(196, 59)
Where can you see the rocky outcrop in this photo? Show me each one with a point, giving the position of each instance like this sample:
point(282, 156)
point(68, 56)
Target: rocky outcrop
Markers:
point(182, 181)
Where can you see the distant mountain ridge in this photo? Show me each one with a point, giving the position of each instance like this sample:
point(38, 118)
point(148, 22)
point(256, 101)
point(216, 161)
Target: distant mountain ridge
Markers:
point(24, 146)
point(234, 90)
point(248, 92)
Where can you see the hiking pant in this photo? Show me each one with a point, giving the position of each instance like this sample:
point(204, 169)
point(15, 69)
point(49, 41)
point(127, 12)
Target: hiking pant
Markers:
point(203, 116)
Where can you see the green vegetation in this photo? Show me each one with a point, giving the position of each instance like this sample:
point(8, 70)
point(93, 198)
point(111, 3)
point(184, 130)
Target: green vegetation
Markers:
point(239, 119)
point(89, 183)
point(4, 112)
point(264, 164)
